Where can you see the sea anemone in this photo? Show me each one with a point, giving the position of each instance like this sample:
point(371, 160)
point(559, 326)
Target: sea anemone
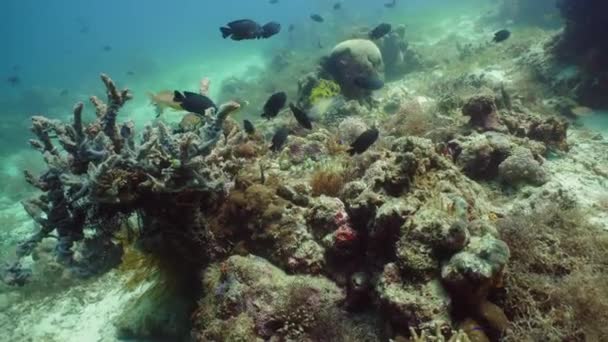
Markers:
point(328, 181)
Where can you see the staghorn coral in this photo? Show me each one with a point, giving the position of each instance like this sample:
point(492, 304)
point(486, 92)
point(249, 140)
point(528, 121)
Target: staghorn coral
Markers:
point(103, 174)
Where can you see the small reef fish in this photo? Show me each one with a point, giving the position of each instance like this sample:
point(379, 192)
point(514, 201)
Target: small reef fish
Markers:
point(391, 4)
point(107, 48)
point(337, 6)
point(249, 29)
point(369, 82)
point(193, 102)
point(272, 2)
point(291, 28)
point(274, 104)
point(130, 73)
point(64, 92)
point(300, 116)
point(317, 18)
point(364, 141)
point(501, 36)
point(163, 100)
point(380, 31)
point(271, 29)
point(279, 138)
point(13, 80)
point(249, 127)
point(242, 29)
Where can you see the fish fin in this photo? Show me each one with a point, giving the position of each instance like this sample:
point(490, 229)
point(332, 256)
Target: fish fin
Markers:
point(159, 111)
point(189, 94)
point(178, 97)
point(351, 151)
point(226, 31)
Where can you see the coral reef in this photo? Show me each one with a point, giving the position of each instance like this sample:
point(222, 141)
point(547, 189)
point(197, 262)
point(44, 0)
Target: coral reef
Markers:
point(103, 176)
point(324, 89)
point(399, 58)
point(419, 238)
point(248, 299)
point(351, 59)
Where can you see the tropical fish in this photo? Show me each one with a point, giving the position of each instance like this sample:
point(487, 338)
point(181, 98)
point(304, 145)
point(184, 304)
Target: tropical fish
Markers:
point(501, 36)
point(270, 29)
point(193, 102)
point(391, 4)
point(274, 104)
point(317, 18)
point(242, 29)
point(369, 82)
point(163, 100)
point(279, 138)
point(248, 126)
point(300, 116)
point(364, 141)
point(380, 31)
point(13, 80)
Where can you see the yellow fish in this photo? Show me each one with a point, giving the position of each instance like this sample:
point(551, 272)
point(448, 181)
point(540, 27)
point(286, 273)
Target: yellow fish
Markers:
point(162, 100)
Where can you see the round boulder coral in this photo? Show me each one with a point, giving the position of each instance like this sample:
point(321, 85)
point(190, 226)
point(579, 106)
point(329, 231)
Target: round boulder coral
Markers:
point(521, 167)
point(352, 59)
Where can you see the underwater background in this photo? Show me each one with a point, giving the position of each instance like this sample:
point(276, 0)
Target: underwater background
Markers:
point(445, 178)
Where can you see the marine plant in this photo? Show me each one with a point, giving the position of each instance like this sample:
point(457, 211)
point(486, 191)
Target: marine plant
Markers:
point(328, 180)
point(322, 90)
point(556, 285)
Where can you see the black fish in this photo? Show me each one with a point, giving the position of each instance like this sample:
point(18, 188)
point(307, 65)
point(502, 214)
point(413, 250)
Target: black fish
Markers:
point(391, 4)
point(242, 29)
point(380, 31)
point(364, 141)
point(249, 127)
point(300, 116)
point(317, 18)
point(107, 48)
point(279, 138)
point(369, 82)
point(271, 29)
point(337, 5)
point(193, 102)
point(13, 80)
point(501, 36)
point(274, 104)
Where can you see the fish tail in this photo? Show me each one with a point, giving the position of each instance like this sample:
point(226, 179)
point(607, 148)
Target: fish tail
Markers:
point(178, 97)
point(226, 31)
point(351, 151)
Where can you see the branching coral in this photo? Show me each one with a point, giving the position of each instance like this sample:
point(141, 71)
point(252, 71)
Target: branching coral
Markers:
point(103, 174)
